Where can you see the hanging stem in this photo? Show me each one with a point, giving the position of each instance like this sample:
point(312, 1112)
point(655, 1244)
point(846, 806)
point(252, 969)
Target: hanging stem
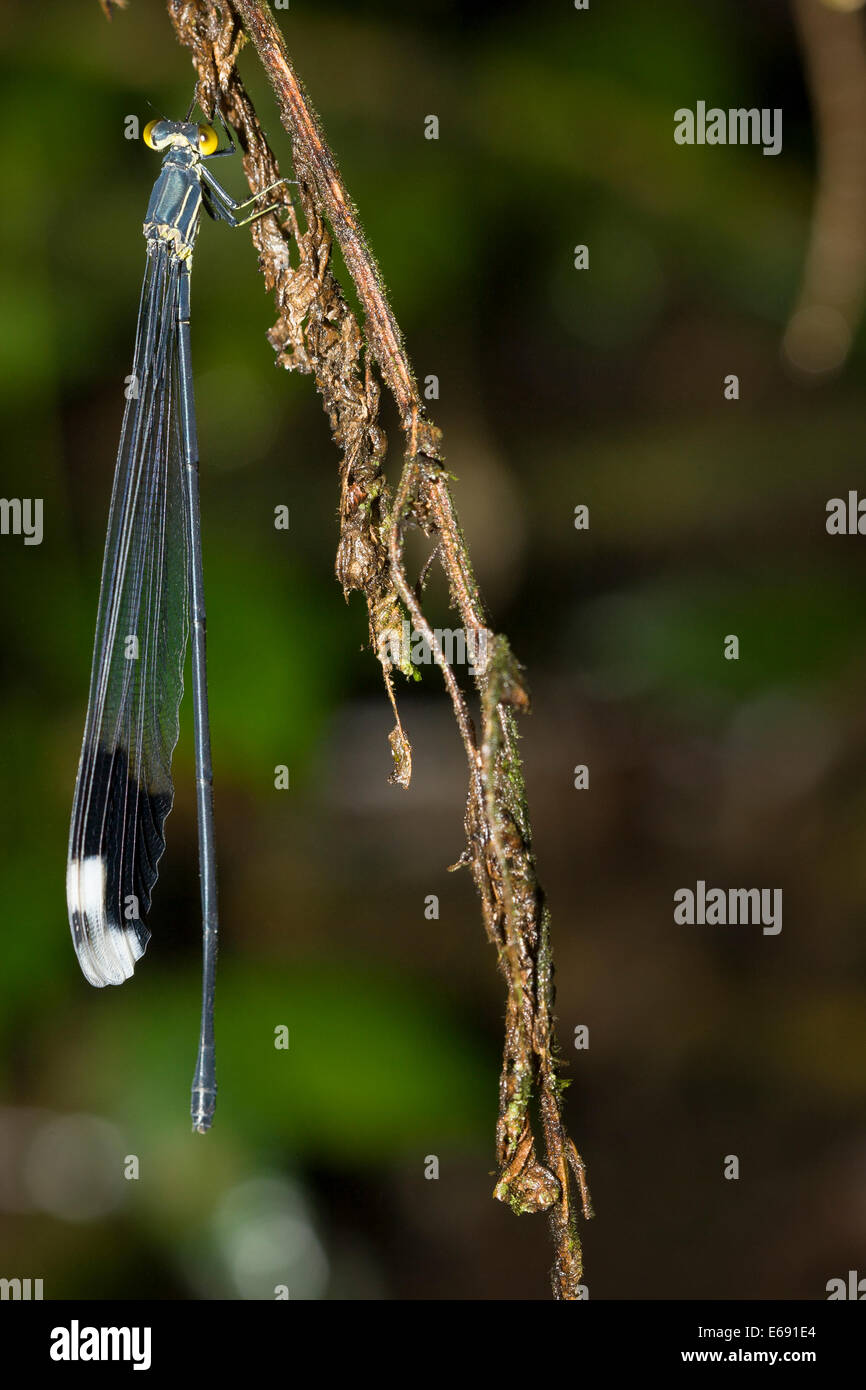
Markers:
point(317, 333)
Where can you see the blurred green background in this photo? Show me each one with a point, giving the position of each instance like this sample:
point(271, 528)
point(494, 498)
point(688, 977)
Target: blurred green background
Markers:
point(558, 387)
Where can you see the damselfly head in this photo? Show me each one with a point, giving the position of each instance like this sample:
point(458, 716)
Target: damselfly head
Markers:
point(159, 135)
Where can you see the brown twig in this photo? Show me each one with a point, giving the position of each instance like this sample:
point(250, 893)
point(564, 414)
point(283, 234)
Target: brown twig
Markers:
point(821, 330)
point(316, 332)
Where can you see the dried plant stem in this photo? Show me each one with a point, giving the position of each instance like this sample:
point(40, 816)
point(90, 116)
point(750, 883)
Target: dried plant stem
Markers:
point(317, 333)
point(821, 330)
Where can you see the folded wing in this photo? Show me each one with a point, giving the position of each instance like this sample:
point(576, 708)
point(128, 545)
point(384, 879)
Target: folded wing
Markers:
point(124, 789)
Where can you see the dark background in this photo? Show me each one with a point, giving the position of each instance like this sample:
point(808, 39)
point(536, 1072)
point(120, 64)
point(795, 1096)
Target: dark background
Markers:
point(558, 387)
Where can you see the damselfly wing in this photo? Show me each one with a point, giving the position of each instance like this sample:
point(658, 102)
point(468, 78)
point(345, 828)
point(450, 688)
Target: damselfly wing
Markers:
point(124, 790)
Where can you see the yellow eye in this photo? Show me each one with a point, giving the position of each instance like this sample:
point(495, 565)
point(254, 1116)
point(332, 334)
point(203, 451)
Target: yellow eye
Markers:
point(147, 135)
point(207, 139)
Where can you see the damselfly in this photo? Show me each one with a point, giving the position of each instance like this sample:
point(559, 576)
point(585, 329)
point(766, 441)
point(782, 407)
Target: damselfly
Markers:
point(151, 596)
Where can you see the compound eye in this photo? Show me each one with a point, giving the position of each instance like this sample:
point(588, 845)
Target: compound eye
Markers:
point(207, 139)
point(147, 134)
